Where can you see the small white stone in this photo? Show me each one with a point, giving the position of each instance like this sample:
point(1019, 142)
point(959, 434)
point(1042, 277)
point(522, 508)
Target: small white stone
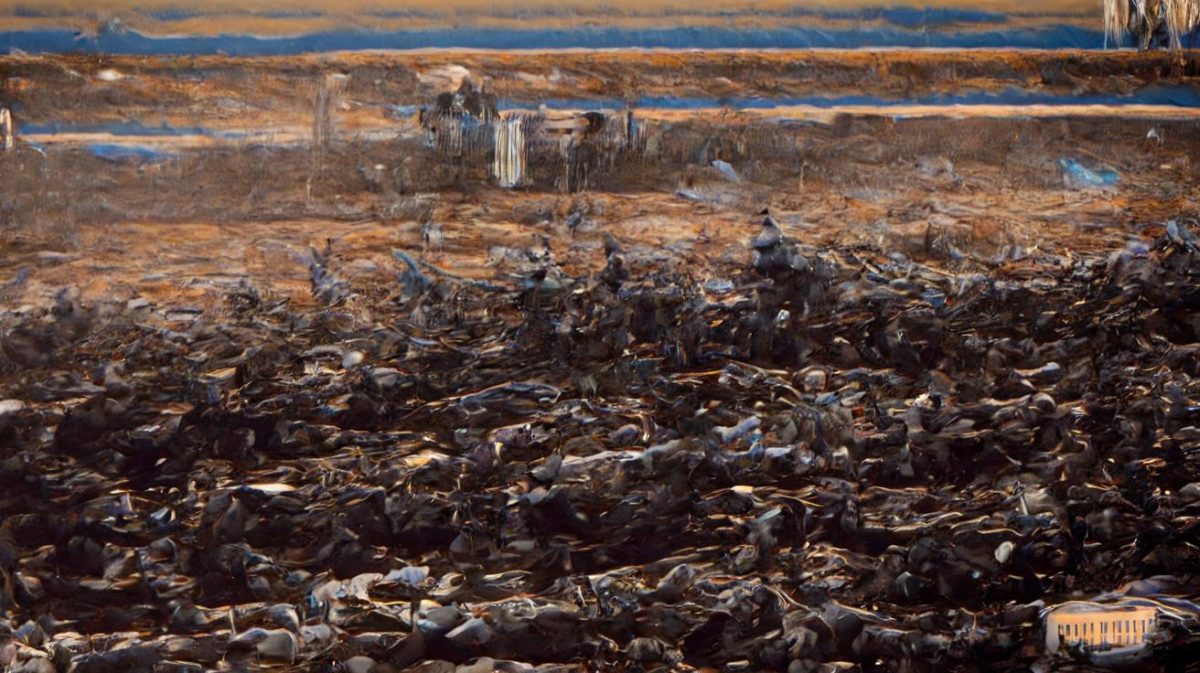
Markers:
point(10, 406)
point(359, 664)
point(1004, 552)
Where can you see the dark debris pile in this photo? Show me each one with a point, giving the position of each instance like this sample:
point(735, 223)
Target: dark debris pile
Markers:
point(823, 461)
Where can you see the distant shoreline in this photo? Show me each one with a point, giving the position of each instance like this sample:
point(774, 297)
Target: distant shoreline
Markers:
point(128, 42)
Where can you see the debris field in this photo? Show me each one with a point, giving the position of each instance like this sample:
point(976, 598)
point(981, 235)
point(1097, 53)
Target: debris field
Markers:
point(873, 417)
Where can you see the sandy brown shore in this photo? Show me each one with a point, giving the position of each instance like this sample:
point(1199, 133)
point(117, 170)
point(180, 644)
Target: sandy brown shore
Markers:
point(212, 90)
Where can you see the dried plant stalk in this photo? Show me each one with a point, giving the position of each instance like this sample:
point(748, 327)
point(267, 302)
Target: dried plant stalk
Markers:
point(7, 140)
point(325, 107)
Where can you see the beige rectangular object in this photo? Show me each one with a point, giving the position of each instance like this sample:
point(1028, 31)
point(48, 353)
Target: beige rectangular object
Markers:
point(1123, 626)
point(572, 124)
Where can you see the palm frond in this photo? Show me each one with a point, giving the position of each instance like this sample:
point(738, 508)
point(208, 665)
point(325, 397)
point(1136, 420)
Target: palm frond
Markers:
point(1116, 21)
point(1182, 17)
point(1145, 18)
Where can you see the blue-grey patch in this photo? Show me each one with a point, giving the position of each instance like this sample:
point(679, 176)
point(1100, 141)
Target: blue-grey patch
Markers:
point(173, 14)
point(290, 14)
point(1083, 176)
point(117, 152)
point(405, 14)
point(31, 12)
point(402, 111)
point(906, 17)
point(126, 128)
point(680, 37)
point(1182, 95)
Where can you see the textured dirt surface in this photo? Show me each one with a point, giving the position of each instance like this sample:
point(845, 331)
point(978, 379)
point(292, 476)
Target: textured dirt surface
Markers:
point(221, 92)
point(358, 409)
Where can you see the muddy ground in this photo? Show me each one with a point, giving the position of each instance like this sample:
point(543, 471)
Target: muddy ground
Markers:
point(219, 91)
point(261, 402)
point(952, 192)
